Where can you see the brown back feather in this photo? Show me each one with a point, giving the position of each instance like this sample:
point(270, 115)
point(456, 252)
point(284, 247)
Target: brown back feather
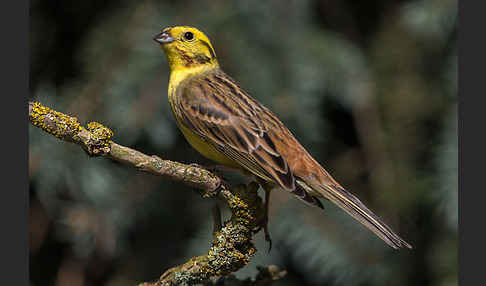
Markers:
point(214, 107)
point(227, 118)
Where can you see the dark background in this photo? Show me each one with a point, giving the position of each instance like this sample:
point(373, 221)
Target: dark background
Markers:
point(368, 87)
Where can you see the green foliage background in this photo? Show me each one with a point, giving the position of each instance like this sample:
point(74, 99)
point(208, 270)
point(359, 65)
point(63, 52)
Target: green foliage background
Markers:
point(368, 87)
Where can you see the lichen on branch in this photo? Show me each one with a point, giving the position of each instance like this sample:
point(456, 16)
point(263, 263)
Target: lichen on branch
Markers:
point(95, 138)
point(232, 246)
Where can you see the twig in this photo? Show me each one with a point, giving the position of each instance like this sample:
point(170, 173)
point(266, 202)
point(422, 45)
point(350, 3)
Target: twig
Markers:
point(216, 219)
point(231, 248)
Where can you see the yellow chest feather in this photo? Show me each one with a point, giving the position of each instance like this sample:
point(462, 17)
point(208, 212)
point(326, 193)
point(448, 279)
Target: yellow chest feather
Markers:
point(206, 149)
point(198, 143)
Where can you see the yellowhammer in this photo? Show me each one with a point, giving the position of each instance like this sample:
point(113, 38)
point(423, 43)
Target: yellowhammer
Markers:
point(225, 124)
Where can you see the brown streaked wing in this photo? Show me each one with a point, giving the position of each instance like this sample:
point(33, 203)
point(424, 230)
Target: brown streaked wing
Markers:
point(218, 111)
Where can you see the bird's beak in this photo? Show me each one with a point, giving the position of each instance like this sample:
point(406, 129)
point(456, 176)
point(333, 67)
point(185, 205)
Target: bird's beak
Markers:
point(163, 38)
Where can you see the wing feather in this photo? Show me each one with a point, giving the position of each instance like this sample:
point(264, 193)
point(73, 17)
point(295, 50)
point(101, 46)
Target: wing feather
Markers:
point(216, 109)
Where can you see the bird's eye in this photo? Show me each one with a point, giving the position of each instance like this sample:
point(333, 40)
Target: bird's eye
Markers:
point(188, 36)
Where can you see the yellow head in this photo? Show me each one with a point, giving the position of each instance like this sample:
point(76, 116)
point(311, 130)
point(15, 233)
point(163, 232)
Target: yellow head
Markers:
point(186, 47)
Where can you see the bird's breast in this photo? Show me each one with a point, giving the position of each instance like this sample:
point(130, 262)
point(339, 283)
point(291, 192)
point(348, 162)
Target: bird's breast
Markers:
point(196, 141)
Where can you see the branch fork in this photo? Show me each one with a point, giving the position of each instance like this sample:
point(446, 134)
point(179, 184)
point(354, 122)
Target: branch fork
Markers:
point(231, 248)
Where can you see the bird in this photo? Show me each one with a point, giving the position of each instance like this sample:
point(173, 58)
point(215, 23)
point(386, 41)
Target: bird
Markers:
point(225, 124)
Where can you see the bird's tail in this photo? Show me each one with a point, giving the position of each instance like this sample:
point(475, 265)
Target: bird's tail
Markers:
point(354, 207)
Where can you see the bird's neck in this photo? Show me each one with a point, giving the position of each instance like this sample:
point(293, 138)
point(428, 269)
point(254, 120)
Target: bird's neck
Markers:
point(184, 63)
point(178, 74)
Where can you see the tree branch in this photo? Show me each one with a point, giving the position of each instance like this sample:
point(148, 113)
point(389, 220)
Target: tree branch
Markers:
point(232, 246)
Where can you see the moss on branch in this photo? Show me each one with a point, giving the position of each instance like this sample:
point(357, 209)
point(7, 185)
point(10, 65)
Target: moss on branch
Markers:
point(95, 139)
point(231, 248)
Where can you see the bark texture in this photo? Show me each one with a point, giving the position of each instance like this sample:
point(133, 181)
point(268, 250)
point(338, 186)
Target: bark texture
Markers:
point(231, 247)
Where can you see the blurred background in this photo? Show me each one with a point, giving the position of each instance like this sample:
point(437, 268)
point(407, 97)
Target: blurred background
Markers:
point(368, 87)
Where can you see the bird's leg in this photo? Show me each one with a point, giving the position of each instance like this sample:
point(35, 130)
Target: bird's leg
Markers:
point(216, 219)
point(267, 189)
